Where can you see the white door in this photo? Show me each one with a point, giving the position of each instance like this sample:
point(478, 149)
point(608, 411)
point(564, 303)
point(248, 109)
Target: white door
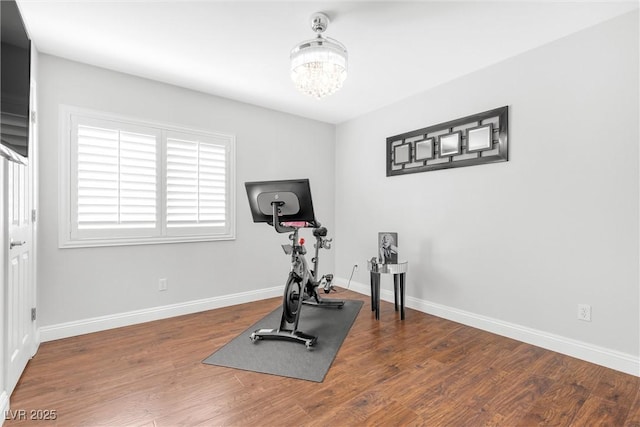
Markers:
point(20, 295)
point(20, 290)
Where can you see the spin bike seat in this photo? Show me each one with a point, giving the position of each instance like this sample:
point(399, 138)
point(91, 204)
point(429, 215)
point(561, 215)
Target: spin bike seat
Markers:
point(320, 232)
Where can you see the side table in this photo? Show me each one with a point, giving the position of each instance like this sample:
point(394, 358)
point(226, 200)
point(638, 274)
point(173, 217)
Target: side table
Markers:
point(399, 272)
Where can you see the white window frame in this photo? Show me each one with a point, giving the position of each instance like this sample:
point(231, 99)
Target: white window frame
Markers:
point(68, 236)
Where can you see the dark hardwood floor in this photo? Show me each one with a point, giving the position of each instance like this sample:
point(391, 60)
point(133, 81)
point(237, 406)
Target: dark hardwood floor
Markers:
point(421, 371)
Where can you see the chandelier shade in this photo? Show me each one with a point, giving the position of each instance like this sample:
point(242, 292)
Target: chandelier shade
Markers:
point(319, 66)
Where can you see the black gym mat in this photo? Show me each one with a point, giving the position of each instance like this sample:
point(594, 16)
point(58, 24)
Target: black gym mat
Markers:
point(288, 358)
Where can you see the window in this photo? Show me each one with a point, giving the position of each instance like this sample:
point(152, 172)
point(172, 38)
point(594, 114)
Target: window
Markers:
point(127, 181)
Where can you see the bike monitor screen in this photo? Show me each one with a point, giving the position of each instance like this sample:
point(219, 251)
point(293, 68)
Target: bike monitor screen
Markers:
point(292, 196)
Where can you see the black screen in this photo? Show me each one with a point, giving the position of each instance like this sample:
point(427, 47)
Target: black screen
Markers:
point(295, 193)
point(14, 80)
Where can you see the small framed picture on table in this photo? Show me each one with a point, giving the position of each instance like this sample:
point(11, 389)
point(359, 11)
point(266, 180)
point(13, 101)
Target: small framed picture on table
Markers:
point(388, 248)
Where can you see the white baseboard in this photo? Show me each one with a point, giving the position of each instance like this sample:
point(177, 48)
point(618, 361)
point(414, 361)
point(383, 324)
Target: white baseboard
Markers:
point(96, 324)
point(591, 353)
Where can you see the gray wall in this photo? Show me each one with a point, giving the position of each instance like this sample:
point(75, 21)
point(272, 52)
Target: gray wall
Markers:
point(519, 243)
point(78, 284)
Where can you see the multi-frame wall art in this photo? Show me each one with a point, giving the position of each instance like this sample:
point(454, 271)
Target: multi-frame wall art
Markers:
point(473, 140)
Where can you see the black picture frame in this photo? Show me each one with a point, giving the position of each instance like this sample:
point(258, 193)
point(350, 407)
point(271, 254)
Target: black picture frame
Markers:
point(388, 247)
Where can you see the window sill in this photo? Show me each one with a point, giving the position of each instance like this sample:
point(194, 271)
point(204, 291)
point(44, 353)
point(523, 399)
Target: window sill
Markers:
point(91, 243)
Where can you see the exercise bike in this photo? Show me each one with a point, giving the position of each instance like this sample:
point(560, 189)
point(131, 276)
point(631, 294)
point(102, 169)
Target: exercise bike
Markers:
point(286, 205)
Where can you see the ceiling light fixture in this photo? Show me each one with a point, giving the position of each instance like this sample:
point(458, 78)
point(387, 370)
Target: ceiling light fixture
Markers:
point(319, 66)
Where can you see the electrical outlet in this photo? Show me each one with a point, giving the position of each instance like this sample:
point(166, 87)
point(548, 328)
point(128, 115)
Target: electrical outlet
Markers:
point(355, 267)
point(584, 312)
point(162, 285)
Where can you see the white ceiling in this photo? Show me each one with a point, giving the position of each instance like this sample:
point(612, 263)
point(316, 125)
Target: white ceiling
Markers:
point(240, 49)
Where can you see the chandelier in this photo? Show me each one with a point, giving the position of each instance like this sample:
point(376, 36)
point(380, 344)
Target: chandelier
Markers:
point(319, 66)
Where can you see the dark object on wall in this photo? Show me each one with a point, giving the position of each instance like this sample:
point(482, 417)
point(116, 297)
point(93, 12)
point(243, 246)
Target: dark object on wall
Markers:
point(473, 140)
point(15, 84)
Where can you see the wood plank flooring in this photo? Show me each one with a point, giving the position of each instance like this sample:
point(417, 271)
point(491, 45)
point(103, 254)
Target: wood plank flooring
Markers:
point(424, 371)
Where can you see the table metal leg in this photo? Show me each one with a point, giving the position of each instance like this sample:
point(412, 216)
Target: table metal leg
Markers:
point(372, 281)
point(402, 279)
point(395, 291)
point(375, 294)
point(377, 286)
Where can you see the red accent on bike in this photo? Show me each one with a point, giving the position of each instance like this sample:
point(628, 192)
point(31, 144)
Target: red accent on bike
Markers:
point(302, 240)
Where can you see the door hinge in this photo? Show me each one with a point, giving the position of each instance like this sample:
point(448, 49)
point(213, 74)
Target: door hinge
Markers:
point(33, 314)
point(33, 117)
point(33, 215)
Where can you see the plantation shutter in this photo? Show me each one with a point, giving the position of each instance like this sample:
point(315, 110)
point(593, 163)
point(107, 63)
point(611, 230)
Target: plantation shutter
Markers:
point(196, 181)
point(128, 181)
point(117, 178)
